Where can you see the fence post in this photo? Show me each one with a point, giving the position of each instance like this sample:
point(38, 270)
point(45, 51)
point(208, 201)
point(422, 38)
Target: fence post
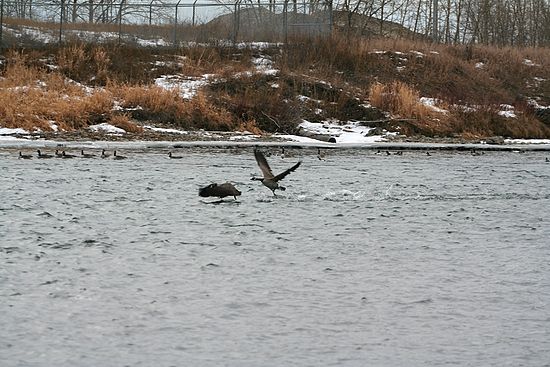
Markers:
point(1, 22)
point(61, 18)
point(120, 22)
point(236, 20)
point(330, 17)
point(194, 6)
point(285, 21)
point(176, 25)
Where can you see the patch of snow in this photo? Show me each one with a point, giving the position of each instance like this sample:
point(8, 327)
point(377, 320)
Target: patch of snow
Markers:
point(257, 45)
point(275, 85)
point(244, 137)
point(106, 128)
point(262, 65)
point(10, 131)
point(417, 53)
point(350, 132)
point(152, 43)
point(527, 141)
point(163, 130)
point(432, 102)
point(479, 65)
point(303, 98)
point(529, 62)
point(400, 68)
point(186, 87)
point(507, 111)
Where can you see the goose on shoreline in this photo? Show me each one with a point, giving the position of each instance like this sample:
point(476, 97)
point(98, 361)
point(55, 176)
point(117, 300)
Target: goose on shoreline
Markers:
point(104, 154)
point(221, 191)
point(269, 180)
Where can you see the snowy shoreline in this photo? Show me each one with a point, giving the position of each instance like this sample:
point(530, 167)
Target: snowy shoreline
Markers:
point(17, 143)
point(105, 136)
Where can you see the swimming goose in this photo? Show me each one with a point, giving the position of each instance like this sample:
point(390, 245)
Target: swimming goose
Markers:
point(58, 154)
point(320, 156)
point(118, 156)
point(221, 191)
point(43, 155)
point(24, 156)
point(86, 155)
point(174, 156)
point(67, 155)
point(104, 154)
point(269, 180)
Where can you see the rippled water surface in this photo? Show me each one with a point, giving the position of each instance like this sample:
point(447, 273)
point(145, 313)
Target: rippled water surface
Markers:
point(365, 260)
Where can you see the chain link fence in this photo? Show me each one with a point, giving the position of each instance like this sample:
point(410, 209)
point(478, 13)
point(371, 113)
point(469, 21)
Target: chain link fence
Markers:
point(158, 23)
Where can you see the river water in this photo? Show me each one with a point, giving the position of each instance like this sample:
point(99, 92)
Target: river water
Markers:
point(365, 260)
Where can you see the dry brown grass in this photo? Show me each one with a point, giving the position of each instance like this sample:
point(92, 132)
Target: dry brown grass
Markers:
point(124, 122)
point(33, 98)
point(342, 72)
point(167, 106)
point(400, 100)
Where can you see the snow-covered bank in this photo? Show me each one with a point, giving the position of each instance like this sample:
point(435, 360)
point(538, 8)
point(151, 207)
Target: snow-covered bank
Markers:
point(18, 143)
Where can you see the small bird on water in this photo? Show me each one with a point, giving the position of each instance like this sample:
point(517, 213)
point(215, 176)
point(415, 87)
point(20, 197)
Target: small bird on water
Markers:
point(86, 155)
point(221, 191)
point(269, 180)
point(118, 157)
point(43, 155)
point(24, 156)
point(171, 156)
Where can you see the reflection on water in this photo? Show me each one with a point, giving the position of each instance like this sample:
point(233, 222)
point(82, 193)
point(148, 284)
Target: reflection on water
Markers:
point(365, 260)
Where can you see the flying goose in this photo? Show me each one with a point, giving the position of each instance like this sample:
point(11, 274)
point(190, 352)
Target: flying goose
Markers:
point(221, 191)
point(269, 180)
point(174, 156)
point(24, 156)
point(86, 155)
point(118, 157)
point(43, 155)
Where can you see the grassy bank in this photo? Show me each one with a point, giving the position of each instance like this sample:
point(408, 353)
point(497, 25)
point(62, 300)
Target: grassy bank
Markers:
point(474, 92)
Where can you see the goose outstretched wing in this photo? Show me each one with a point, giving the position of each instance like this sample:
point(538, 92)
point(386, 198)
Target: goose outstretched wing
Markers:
point(282, 175)
point(262, 163)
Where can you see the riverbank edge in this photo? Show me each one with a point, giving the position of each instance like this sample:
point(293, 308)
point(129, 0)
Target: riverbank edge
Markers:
point(137, 145)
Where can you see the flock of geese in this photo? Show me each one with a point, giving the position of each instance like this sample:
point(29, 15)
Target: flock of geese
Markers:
point(64, 155)
point(268, 179)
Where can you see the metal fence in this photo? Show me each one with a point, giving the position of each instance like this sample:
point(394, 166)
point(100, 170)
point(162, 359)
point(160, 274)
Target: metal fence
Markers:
point(159, 23)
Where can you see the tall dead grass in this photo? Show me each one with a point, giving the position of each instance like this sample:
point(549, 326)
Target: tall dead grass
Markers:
point(167, 106)
point(400, 100)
